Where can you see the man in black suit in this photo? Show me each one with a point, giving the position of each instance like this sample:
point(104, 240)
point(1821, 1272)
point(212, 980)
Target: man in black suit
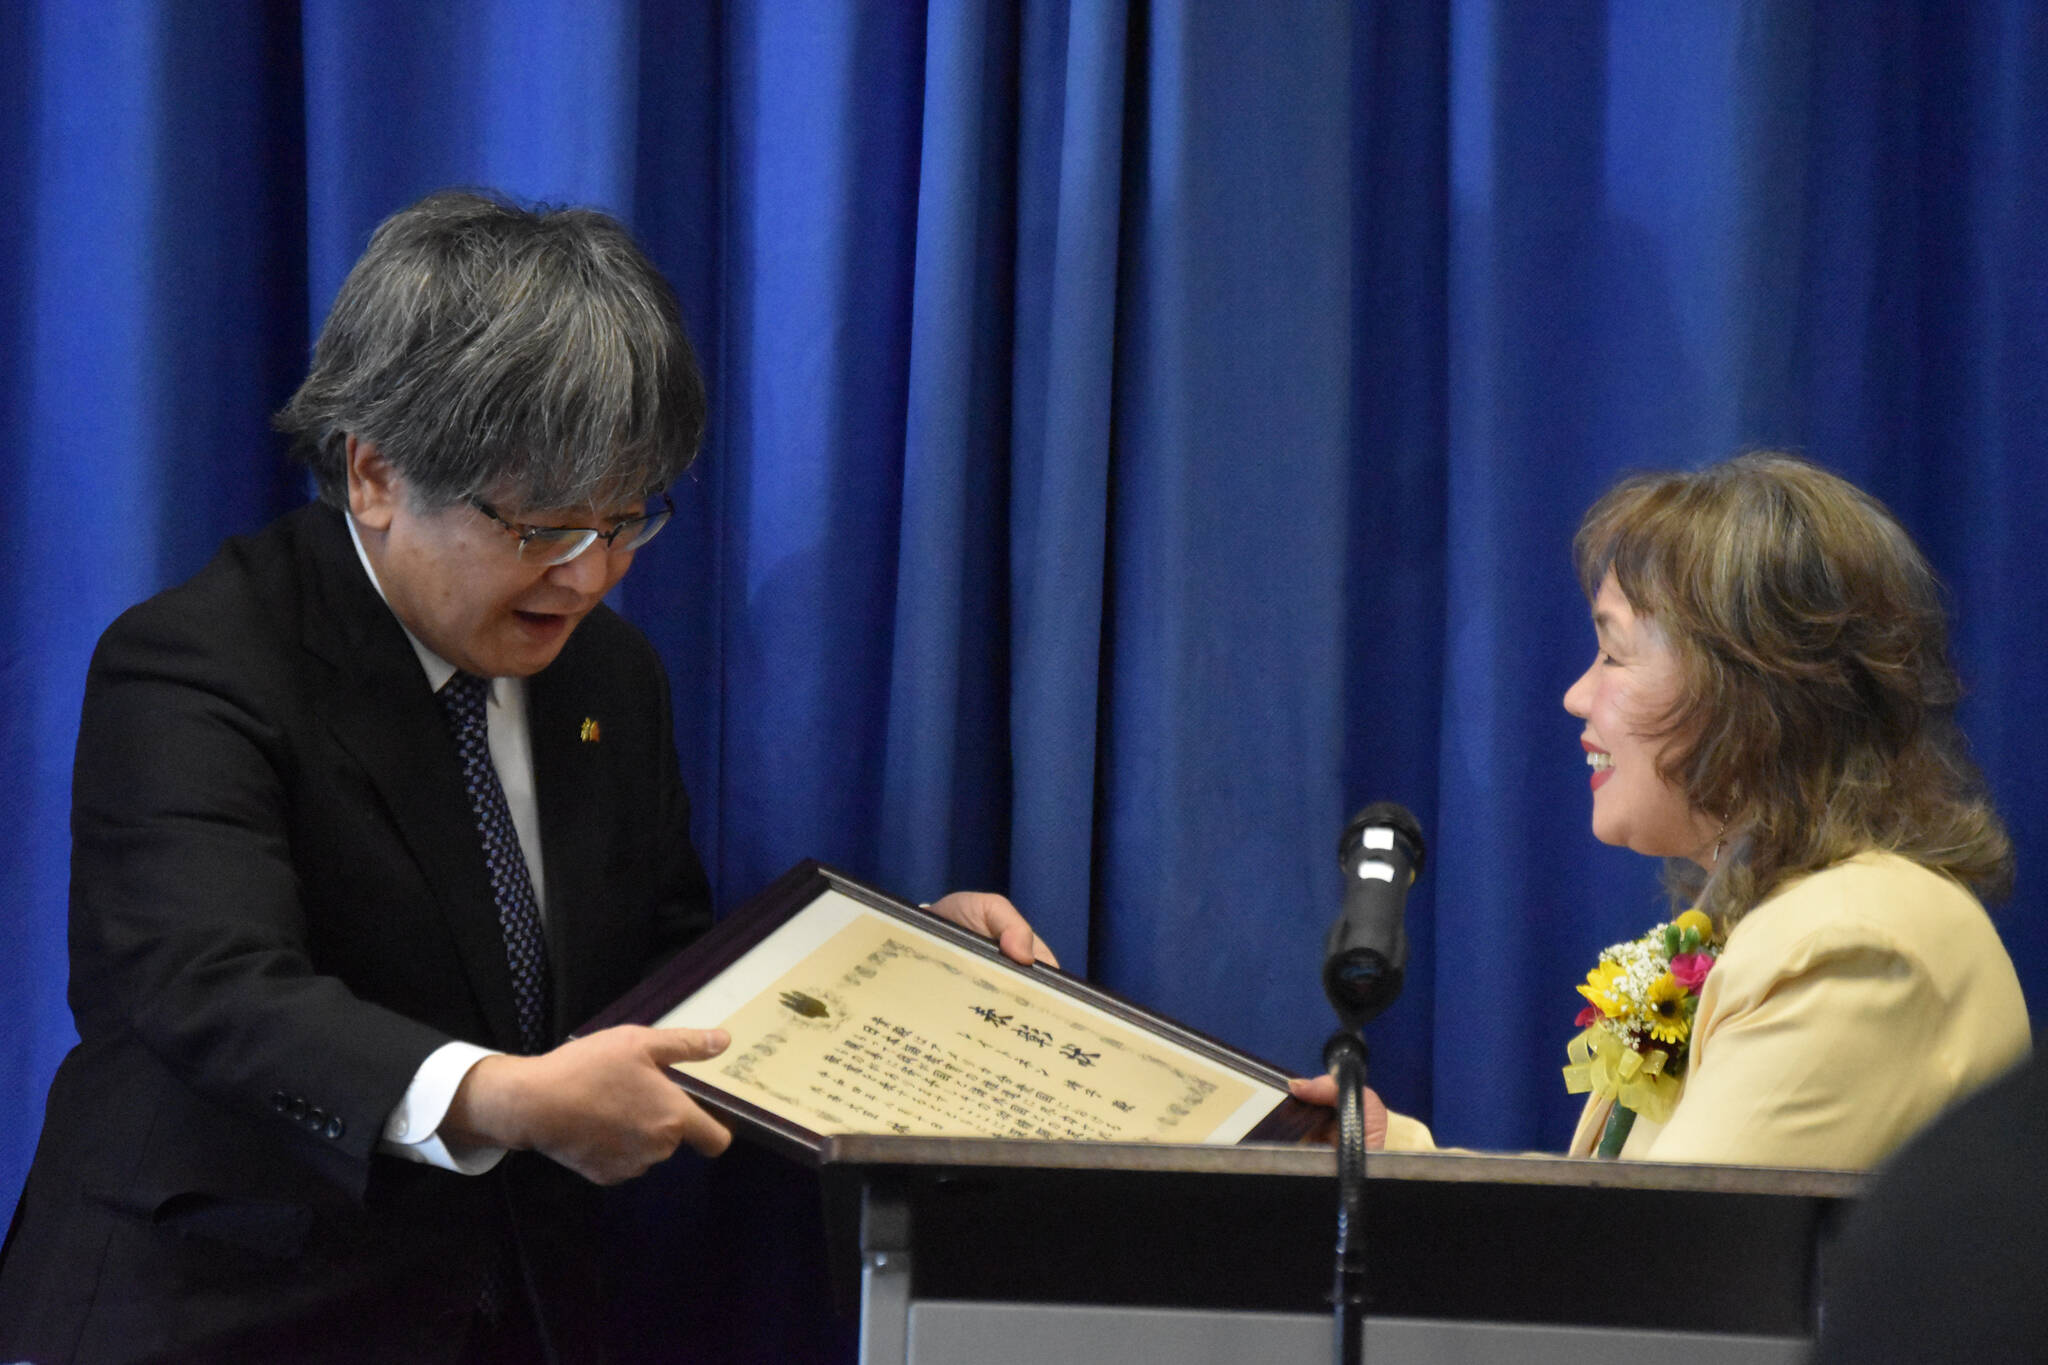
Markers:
point(368, 815)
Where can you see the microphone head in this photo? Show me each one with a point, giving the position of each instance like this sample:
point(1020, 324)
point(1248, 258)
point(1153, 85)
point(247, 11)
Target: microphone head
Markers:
point(1361, 982)
point(1389, 815)
point(1363, 960)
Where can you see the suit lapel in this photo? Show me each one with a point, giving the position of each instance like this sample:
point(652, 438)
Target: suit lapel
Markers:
point(378, 705)
point(575, 814)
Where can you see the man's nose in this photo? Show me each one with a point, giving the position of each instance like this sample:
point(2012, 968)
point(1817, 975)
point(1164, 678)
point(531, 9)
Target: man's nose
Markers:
point(586, 573)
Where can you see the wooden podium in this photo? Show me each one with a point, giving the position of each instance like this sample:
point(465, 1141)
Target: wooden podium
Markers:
point(995, 1252)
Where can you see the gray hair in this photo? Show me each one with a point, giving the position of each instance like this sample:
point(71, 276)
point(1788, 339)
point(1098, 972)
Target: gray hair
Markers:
point(483, 347)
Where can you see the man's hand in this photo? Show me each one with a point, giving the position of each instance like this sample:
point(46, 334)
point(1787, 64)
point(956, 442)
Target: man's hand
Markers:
point(605, 1106)
point(993, 916)
point(1323, 1090)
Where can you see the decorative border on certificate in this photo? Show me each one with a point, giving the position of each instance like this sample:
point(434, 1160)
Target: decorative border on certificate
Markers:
point(851, 1012)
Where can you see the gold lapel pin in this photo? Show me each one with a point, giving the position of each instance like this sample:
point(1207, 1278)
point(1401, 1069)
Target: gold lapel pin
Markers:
point(589, 733)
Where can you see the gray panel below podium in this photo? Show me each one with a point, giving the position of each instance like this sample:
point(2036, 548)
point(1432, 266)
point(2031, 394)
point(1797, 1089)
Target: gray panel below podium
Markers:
point(985, 1251)
point(959, 1332)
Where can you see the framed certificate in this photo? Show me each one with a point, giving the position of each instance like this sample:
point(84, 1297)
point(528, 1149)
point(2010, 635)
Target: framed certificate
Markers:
point(853, 1012)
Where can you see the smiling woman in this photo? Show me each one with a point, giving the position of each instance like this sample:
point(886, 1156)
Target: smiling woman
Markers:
point(1633, 683)
point(1812, 715)
point(1771, 711)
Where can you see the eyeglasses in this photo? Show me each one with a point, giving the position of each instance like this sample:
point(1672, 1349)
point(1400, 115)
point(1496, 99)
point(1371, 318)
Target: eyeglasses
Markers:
point(552, 545)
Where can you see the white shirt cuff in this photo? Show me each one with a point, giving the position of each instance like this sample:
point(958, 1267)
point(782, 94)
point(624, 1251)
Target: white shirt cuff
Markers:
point(413, 1129)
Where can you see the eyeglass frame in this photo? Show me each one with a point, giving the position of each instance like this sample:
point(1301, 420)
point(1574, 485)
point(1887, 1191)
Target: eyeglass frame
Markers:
point(652, 522)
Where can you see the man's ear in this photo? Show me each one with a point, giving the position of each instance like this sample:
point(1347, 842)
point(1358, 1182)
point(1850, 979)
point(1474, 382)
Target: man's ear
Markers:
point(374, 487)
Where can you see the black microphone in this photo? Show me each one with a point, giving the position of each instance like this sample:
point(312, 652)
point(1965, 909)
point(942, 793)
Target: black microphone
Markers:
point(1381, 853)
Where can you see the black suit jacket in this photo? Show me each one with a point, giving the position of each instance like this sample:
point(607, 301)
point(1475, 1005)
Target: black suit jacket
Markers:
point(279, 908)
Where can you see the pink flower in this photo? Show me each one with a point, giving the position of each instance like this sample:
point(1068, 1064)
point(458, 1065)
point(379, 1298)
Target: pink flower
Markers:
point(1589, 1015)
point(1691, 969)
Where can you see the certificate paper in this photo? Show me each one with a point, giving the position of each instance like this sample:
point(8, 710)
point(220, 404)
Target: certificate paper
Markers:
point(846, 1019)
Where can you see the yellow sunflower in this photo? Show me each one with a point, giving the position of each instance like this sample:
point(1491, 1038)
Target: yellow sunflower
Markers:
point(1665, 1004)
point(1599, 989)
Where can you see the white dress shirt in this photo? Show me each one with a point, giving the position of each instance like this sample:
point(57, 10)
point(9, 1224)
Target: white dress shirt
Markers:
point(412, 1130)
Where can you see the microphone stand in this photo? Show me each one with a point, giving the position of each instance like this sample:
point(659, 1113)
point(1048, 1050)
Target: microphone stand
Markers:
point(1344, 1056)
point(1380, 852)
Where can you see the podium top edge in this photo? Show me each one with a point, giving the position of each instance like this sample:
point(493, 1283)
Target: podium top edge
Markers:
point(939, 1156)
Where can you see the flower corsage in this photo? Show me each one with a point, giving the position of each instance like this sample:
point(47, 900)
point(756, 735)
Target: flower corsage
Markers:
point(1637, 1024)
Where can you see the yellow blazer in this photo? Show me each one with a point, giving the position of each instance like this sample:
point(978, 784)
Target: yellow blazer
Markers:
point(1844, 1013)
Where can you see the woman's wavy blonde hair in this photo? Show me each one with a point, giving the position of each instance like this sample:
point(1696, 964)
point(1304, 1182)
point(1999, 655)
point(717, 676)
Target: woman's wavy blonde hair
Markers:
point(1816, 718)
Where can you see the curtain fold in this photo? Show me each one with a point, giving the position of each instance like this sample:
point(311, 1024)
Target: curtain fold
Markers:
point(1070, 196)
point(821, 251)
point(944, 775)
point(1220, 790)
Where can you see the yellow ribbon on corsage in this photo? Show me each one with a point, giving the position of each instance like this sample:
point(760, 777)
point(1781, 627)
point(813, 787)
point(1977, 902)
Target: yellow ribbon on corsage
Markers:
point(1606, 1065)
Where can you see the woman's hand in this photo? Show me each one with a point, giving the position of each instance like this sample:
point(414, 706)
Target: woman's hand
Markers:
point(992, 916)
point(1323, 1090)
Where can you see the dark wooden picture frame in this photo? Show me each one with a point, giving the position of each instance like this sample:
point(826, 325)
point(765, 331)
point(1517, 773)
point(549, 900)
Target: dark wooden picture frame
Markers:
point(737, 934)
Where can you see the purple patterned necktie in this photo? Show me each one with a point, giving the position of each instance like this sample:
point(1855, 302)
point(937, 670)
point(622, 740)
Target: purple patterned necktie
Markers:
point(526, 950)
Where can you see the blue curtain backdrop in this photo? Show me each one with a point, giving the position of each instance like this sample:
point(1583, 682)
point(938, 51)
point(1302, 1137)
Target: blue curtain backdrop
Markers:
point(1142, 434)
